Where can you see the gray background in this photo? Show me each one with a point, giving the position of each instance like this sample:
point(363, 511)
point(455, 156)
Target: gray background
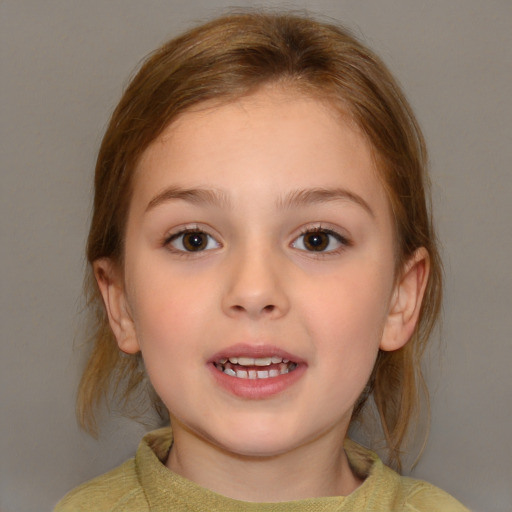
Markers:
point(64, 65)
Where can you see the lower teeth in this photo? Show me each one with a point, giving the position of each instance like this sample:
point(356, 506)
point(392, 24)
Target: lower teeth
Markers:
point(257, 374)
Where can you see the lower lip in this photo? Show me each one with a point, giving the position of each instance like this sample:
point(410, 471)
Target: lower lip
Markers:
point(257, 389)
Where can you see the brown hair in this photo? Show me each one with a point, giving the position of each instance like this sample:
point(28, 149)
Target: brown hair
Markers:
point(223, 60)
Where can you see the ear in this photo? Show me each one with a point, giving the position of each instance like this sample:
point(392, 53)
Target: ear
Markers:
point(111, 285)
point(406, 301)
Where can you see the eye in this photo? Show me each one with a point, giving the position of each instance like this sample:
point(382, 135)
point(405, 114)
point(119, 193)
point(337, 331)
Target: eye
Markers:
point(192, 240)
point(320, 240)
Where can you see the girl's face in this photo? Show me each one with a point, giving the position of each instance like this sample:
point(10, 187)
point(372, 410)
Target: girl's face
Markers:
point(259, 275)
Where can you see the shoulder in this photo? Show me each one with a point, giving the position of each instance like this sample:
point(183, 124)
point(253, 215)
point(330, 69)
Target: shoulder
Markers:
point(421, 496)
point(116, 490)
point(411, 495)
point(384, 489)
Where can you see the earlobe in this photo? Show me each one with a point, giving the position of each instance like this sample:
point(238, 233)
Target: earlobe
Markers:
point(406, 302)
point(110, 283)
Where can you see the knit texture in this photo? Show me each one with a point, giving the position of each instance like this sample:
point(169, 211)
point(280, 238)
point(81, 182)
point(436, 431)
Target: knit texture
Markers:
point(146, 484)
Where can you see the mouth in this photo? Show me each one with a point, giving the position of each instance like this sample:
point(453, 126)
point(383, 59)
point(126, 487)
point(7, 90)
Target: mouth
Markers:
point(256, 372)
point(255, 368)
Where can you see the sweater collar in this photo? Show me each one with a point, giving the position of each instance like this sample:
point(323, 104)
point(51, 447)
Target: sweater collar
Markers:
point(163, 486)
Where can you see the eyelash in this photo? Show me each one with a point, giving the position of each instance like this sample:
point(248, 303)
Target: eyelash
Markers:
point(168, 242)
point(343, 242)
point(321, 252)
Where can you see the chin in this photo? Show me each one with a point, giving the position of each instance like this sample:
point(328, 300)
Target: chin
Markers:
point(254, 448)
point(261, 440)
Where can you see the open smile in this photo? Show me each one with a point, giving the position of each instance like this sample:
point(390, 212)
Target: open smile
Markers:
point(256, 372)
point(255, 367)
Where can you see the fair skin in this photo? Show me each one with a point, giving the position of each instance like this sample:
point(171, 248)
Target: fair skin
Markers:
point(259, 229)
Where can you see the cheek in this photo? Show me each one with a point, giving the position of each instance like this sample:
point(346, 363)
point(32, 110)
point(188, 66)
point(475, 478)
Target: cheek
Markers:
point(354, 301)
point(346, 317)
point(168, 334)
point(168, 309)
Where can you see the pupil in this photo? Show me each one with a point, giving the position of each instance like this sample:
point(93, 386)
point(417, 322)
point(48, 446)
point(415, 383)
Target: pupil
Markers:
point(316, 241)
point(195, 242)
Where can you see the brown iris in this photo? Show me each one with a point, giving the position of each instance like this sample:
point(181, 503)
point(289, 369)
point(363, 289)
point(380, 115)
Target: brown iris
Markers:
point(316, 241)
point(195, 241)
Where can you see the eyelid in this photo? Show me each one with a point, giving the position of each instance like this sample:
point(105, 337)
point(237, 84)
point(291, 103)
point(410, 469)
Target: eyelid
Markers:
point(184, 230)
point(343, 241)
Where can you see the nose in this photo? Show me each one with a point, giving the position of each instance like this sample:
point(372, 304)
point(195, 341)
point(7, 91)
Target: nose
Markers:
point(255, 287)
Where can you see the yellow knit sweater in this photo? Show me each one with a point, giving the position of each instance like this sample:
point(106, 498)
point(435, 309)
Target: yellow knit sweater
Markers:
point(145, 484)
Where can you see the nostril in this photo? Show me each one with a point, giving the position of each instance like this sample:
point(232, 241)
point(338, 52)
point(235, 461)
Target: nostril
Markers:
point(266, 309)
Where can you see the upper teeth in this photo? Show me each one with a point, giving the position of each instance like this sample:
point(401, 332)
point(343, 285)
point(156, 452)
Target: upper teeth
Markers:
point(254, 361)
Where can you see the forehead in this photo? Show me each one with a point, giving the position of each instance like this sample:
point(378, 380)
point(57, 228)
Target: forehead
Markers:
point(284, 138)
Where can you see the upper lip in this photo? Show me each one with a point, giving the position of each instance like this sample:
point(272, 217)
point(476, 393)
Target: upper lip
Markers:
point(254, 351)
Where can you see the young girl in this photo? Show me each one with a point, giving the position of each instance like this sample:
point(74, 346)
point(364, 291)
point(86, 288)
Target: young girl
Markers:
point(261, 248)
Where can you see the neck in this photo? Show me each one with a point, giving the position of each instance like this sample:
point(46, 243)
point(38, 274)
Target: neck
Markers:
point(316, 469)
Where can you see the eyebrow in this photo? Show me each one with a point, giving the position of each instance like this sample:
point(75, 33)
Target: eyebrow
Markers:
point(321, 195)
point(294, 199)
point(192, 195)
